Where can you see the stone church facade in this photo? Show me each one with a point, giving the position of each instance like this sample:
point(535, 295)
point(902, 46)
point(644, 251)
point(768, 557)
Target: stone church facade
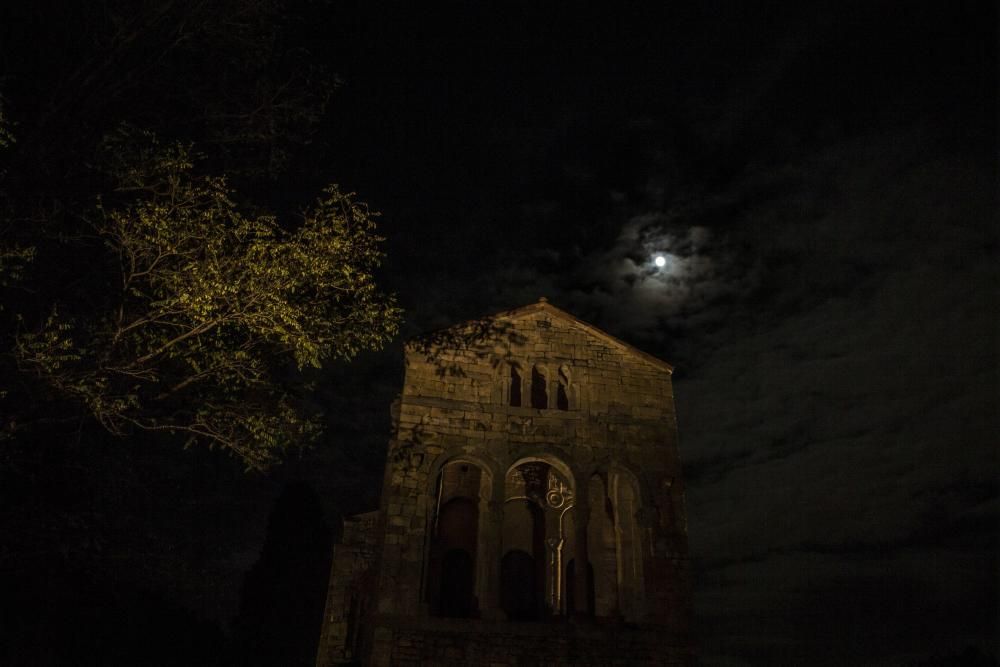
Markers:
point(532, 510)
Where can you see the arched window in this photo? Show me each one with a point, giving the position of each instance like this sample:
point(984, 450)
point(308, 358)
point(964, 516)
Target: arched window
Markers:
point(539, 391)
point(615, 547)
point(515, 387)
point(627, 501)
point(457, 598)
point(454, 582)
point(536, 525)
point(602, 548)
point(562, 391)
point(522, 584)
point(519, 586)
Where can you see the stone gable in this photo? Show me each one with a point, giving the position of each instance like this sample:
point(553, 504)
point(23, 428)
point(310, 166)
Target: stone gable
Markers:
point(532, 475)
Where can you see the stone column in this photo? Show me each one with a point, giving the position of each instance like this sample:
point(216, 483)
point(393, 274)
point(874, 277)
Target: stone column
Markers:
point(580, 557)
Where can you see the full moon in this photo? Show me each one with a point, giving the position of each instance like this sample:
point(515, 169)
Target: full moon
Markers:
point(660, 261)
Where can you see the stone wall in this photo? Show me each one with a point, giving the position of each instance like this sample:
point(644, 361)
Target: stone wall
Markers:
point(451, 643)
point(352, 581)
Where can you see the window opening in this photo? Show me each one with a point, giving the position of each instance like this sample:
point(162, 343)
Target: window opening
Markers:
point(515, 387)
point(562, 392)
point(539, 393)
point(519, 590)
point(562, 401)
point(538, 498)
point(453, 585)
point(457, 585)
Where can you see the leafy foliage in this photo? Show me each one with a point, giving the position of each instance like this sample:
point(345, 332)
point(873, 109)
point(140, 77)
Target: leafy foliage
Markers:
point(141, 296)
point(208, 312)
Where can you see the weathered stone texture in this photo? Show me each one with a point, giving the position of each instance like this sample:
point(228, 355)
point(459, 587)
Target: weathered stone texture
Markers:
point(593, 457)
point(451, 643)
point(351, 585)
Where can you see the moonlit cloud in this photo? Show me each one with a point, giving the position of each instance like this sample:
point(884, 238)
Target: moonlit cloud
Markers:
point(826, 354)
point(644, 301)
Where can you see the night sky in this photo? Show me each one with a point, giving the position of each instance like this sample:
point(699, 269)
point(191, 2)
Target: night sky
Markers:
point(822, 183)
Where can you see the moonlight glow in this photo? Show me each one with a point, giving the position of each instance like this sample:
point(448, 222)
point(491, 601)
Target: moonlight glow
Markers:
point(660, 261)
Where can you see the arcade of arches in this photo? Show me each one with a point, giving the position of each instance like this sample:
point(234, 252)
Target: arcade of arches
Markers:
point(543, 531)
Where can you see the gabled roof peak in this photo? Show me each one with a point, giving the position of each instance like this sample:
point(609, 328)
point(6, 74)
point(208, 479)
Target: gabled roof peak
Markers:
point(475, 331)
point(543, 306)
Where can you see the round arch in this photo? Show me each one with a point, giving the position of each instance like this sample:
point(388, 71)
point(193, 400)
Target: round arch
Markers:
point(509, 382)
point(539, 498)
point(456, 578)
point(631, 470)
point(556, 461)
point(490, 466)
point(627, 496)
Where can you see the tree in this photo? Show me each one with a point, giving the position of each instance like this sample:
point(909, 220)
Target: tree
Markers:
point(207, 313)
point(283, 595)
point(197, 308)
point(147, 289)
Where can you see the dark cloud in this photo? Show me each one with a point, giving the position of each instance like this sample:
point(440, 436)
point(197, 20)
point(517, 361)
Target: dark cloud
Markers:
point(857, 410)
point(834, 321)
point(876, 608)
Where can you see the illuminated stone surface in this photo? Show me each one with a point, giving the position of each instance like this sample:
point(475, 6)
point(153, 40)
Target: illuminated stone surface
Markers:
point(523, 444)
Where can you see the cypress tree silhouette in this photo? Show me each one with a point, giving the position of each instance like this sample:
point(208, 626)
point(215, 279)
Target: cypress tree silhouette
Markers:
point(281, 606)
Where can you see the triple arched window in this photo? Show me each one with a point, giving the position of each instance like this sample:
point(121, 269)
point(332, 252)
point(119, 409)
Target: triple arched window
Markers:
point(537, 387)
